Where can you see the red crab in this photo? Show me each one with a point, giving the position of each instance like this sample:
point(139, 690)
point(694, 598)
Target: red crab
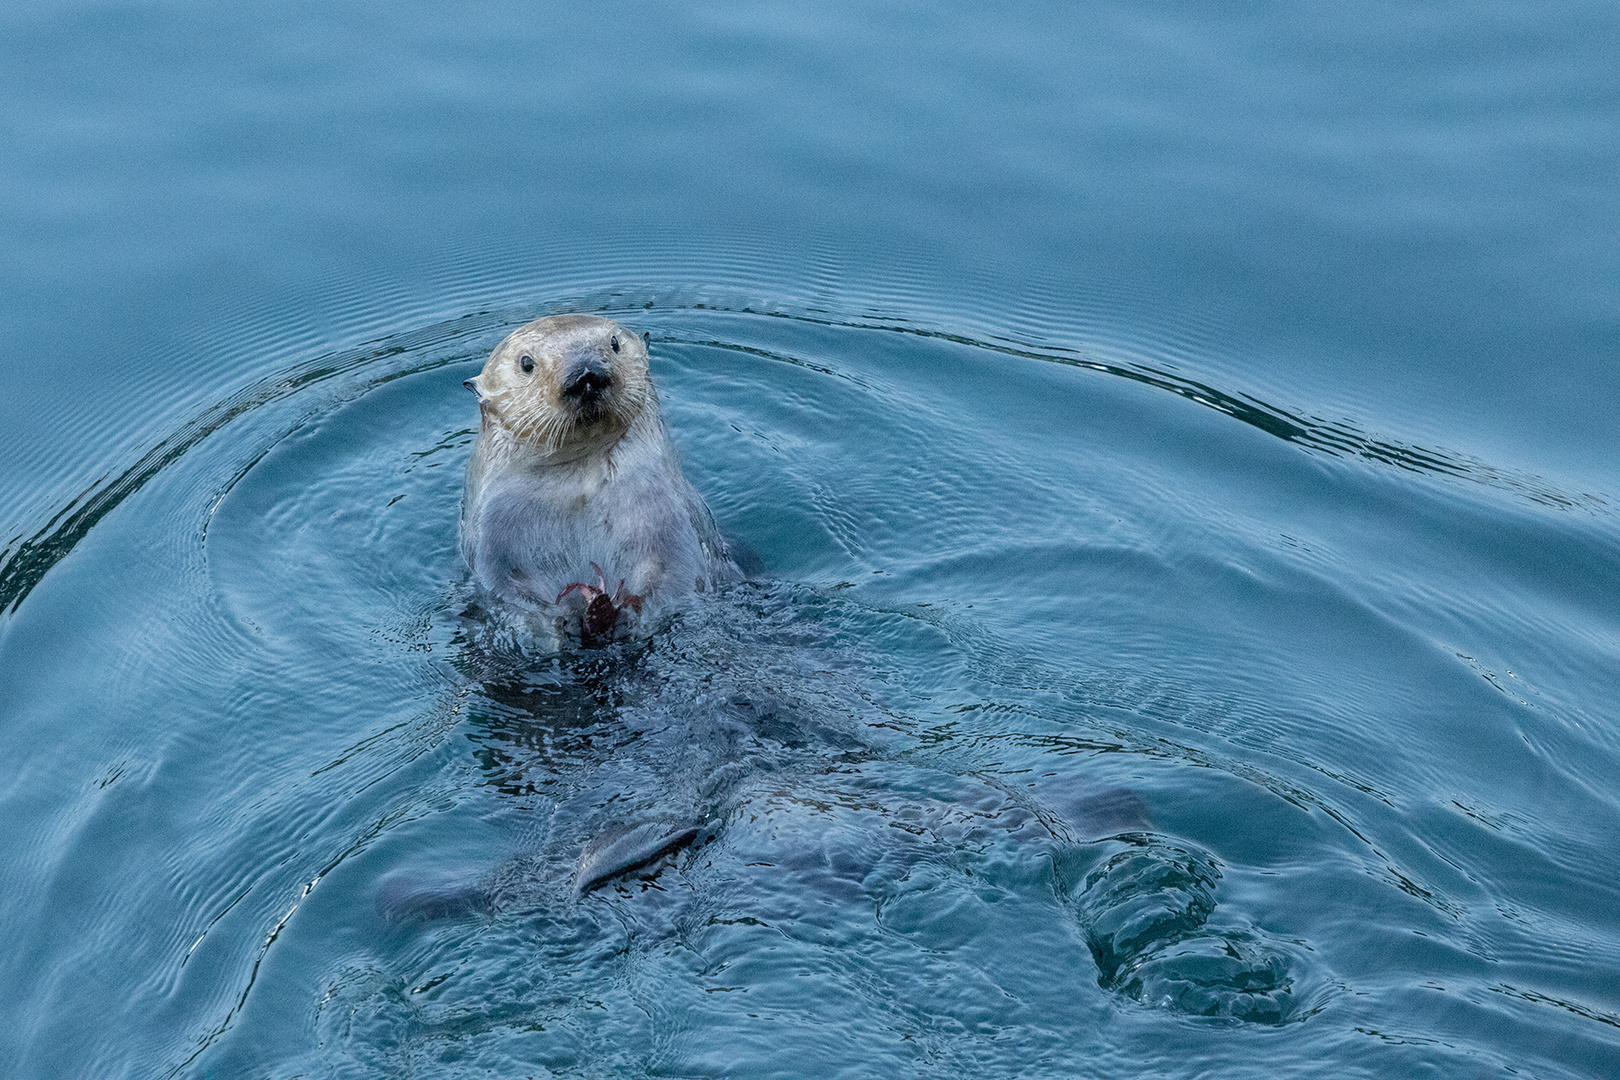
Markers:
point(601, 610)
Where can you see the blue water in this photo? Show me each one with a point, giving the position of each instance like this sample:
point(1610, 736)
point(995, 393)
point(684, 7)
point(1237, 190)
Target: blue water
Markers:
point(1181, 447)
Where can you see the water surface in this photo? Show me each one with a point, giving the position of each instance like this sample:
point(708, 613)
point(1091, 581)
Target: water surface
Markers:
point(1180, 451)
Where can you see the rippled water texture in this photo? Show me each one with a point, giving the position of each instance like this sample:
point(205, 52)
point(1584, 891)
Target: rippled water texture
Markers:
point(1061, 760)
point(1187, 638)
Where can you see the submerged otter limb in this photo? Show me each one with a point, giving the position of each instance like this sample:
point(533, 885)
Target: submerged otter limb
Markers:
point(619, 852)
point(1147, 914)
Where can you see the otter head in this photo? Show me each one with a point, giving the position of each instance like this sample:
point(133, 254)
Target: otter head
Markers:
point(566, 384)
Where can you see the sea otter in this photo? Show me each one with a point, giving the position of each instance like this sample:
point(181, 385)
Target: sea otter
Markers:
point(575, 507)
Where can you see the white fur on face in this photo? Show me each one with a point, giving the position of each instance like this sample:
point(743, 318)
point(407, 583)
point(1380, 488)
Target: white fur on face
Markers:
point(530, 404)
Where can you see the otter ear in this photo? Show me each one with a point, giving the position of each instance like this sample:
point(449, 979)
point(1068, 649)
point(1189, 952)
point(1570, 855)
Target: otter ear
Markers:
point(472, 384)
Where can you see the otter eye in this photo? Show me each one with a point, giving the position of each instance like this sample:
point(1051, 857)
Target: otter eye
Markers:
point(614, 341)
point(527, 364)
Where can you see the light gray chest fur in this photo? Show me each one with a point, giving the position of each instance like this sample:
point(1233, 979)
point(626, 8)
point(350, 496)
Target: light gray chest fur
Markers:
point(530, 529)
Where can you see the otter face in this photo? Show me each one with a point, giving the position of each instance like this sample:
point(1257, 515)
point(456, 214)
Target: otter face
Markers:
point(565, 381)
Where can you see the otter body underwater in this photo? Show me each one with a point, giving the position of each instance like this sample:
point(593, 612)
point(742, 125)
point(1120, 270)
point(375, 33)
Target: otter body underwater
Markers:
point(575, 507)
point(753, 731)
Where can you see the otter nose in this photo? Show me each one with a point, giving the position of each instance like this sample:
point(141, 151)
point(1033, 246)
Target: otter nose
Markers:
point(585, 380)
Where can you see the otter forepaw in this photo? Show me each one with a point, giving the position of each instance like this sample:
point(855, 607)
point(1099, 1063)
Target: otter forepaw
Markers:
point(601, 610)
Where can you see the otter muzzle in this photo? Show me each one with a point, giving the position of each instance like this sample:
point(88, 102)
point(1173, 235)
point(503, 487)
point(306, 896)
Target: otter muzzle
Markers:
point(585, 380)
